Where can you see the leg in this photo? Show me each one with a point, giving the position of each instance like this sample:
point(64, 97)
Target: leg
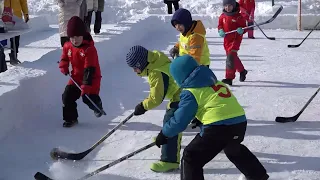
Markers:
point(239, 67)
point(14, 45)
point(169, 5)
point(176, 5)
point(242, 157)
point(97, 22)
point(69, 98)
point(230, 69)
point(63, 40)
point(201, 150)
point(88, 20)
point(97, 100)
point(170, 152)
point(250, 30)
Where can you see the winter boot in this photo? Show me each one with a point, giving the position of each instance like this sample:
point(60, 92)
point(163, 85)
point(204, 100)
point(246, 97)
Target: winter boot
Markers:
point(70, 123)
point(243, 75)
point(161, 166)
point(14, 60)
point(227, 81)
point(242, 177)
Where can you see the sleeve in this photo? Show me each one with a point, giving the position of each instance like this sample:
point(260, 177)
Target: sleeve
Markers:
point(177, 45)
point(196, 44)
point(64, 60)
point(241, 21)
point(159, 83)
point(90, 62)
point(220, 23)
point(24, 6)
point(182, 117)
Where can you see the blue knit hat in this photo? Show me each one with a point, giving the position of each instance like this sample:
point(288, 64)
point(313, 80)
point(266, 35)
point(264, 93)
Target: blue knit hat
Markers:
point(182, 67)
point(137, 57)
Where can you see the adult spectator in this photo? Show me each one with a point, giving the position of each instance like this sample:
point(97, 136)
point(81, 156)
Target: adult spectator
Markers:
point(169, 3)
point(96, 6)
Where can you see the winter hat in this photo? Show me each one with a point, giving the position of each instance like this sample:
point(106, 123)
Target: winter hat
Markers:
point(137, 57)
point(182, 16)
point(232, 2)
point(76, 27)
point(182, 67)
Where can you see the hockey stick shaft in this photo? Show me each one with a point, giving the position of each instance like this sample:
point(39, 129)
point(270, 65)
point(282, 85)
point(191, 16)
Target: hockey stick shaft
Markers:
point(309, 101)
point(259, 24)
point(305, 37)
point(94, 104)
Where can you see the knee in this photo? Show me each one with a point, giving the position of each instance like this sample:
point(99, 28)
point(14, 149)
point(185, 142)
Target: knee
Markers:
point(233, 149)
point(188, 156)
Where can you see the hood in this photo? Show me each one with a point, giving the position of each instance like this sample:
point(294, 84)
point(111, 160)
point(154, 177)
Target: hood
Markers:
point(189, 74)
point(234, 11)
point(156, 59)
point(182, 16)
point(197, 27)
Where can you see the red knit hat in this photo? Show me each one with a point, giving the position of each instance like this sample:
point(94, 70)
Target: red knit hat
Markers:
point(76, 27)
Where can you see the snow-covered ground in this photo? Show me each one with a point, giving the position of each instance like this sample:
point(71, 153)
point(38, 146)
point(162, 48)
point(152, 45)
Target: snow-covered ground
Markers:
point(280, 81)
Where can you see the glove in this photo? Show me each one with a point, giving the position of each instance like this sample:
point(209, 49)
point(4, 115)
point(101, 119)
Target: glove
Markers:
point(222, 33)
point(161, 139)
point(240, 31)
point(26, 18)
point(85, 89)
point(64, 71)
point(195, 123)
point(139, 110)
point(174, 52)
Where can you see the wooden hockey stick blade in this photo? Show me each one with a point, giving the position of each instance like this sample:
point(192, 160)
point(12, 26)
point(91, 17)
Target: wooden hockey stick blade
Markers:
point(40, 176)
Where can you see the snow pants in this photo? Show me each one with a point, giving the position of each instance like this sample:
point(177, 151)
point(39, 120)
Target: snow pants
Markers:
point(69, 97)
point(233, 64)
point(170, 152)
point(97, 22)
point(214, 139)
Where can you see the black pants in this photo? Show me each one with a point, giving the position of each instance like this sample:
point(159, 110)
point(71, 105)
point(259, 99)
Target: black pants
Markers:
point(169, 5)
point(203, 149)
point(97, 22)
point(17, 43)
point(69, 97)
point(64, 40)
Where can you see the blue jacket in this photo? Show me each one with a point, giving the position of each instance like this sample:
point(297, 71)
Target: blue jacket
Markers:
point(188, 74)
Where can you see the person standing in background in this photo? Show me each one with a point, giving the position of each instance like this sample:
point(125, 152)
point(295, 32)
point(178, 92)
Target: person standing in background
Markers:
point(96, 6)
point(247, 8)
point(169, 3)
point(67, 10)
point(19, 9)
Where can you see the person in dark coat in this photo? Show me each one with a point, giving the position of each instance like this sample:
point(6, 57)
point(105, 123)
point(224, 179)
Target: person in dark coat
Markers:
point(169, 3)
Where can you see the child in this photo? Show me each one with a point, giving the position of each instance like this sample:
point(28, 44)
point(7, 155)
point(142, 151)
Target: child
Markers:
point(82, 54)
point(192, 37)
point(155, 66)
point(247, 8)
point(223, 118)
point(230, 20)
point(169, 3)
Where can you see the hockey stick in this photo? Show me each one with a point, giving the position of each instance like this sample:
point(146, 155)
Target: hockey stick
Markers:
point(58, 154)
point(271, 38)
point(263, 23)
point(295, 118)
point(94, 104)
point(297, 45)
point(40, 176)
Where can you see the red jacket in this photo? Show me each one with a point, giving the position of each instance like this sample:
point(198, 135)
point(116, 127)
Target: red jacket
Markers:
point(228, 22)
point(248, 6)
point(84, 62)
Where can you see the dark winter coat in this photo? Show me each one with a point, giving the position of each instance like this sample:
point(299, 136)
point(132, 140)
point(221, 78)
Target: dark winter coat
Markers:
point(228, 22)
point(84, 62)
point(170, 1)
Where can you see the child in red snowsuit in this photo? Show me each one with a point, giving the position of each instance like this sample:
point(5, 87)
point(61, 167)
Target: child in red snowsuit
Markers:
point(82, 54)
point(230, 20)
point(247, 8)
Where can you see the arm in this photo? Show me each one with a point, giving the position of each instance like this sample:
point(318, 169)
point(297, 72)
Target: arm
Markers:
point(196, 46)
point(186, 112)
point(220, 23)
point(90, 62)
point(64, 60)
point(159, 83)
point(177, 45)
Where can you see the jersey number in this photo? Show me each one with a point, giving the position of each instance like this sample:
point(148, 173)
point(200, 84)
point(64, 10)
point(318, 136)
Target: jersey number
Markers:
point(221, 94)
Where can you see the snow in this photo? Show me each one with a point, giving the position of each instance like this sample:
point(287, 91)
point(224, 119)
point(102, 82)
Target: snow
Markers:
point(280, 81)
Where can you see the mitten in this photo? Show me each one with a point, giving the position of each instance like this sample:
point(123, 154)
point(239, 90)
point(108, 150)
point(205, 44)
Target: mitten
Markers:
point(64, 71)
point(85, 89)
point(174, 52)
point(240, 31)
point(222, 33)
point(161, 139)
point(195, 123)
point(139, 110)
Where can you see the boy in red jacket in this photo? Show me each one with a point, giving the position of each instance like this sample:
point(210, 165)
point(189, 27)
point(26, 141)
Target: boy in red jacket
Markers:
point(82, 54)
point(230, 20)
point(247, 8)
